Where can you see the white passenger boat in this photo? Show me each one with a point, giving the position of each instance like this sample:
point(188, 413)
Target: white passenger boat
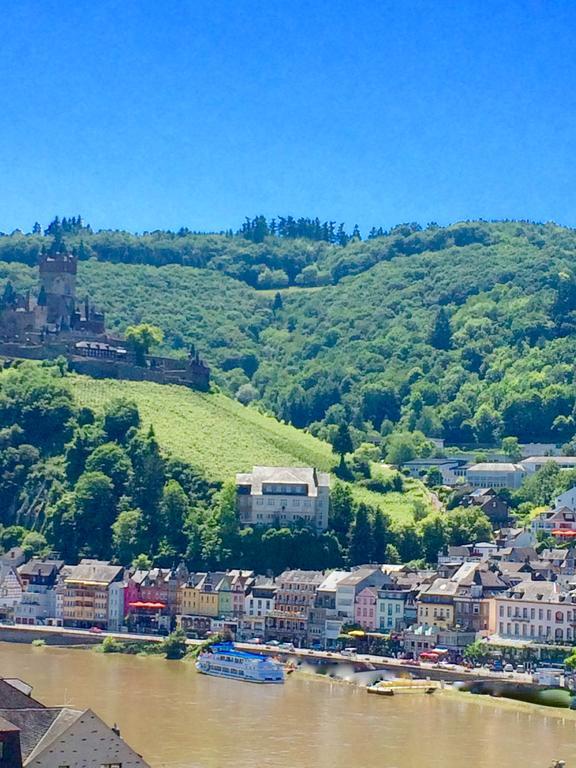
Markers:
point(223, 660)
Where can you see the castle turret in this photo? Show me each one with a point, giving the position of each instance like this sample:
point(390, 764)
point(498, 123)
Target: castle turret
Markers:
point(58, 268)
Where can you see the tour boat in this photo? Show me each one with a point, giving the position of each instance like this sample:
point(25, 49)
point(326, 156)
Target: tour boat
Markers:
point(223, 660)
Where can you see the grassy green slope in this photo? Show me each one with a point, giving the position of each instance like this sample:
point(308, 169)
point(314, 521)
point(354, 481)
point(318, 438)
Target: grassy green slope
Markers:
point(222, 437)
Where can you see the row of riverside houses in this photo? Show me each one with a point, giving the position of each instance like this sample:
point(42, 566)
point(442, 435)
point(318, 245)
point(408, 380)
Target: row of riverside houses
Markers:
point(503, 590)
point(481, 590)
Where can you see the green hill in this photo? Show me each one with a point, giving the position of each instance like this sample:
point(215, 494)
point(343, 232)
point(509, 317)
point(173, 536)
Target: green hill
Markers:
point(222, 437)
point(368, 344)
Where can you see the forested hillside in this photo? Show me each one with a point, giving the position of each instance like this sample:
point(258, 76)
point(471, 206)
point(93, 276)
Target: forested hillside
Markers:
point(89, 472)
point(465, 332)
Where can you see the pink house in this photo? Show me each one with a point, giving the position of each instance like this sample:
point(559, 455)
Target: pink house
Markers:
point(365, 608)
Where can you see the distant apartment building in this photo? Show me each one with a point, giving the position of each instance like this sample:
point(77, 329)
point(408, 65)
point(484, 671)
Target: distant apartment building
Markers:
point(535, 610)
point(151, 597)
point(325, 623)
point(436, 604)
point(495, 475)
point(353, 584)
point(295, 596)
point(39, 578)
point(204, 594)
point(391, 608)
point(259, 601)
point(282, 496)
point(86, 593)
point(451, 469)
point(534, 463)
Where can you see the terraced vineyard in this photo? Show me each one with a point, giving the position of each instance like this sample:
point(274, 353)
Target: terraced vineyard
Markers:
point(222, 437)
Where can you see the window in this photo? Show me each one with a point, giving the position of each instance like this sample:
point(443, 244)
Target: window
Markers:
point(111, 765)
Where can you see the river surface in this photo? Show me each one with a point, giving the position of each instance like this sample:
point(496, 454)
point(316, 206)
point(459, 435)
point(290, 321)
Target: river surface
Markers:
point(177, 718)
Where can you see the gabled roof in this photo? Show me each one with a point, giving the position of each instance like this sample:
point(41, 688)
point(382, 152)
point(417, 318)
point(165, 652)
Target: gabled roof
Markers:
point(36, 724)
point(368, 572)
point(94, 572)
point(11, 697)
point(40, 567)
point(298, 575)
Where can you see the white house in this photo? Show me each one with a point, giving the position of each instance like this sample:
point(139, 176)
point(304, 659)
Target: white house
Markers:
point(560, 519)
point(390, 608)
point(534, 610)
point(283, 495)
point(116, 605)
point(11, 589)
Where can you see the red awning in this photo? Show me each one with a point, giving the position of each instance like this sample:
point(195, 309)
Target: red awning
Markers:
point(140, 604)
point(563, 532)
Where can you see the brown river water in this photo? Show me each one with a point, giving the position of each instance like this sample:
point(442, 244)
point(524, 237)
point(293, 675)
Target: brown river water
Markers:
point(179, 719)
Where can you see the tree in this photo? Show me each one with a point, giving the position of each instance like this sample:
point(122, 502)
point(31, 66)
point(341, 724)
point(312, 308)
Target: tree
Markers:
point(476, 651)
point(487, 424)
point(174, 512)
point(175, 646)
point(141, 338)
point(409, 542)
point(85, 440)
point(380, 402)
point(34, 544)
point(342, 443)
point(120, 415)
point(142, 563)
point(342, 509)
point(112, 460)
point(468, 526)
point(360, 550)
point(128, 536)
point(392, 555)
point(380, 535)
point(95, 513)
point(511, 447)
point(441, 333)
point(539, 488)
point(434, 534)
point(400, 448)
point(277, 304)
point(434, 477)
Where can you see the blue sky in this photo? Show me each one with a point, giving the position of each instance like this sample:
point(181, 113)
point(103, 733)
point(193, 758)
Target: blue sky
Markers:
point(144, 115)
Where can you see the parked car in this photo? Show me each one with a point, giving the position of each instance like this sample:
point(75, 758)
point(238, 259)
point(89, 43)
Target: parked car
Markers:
point(287, 646)
point(521, 668)
point(96, 630)
point(508, 668)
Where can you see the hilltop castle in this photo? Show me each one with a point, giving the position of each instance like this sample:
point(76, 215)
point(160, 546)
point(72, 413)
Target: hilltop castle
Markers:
point(54, 323)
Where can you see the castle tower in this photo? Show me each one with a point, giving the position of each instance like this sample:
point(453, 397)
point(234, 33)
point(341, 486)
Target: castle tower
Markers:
point(58, 283)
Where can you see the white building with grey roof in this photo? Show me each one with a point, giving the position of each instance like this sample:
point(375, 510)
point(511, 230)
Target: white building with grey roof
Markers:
point(283, 496)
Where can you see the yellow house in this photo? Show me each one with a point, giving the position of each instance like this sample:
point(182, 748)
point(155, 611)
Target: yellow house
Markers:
point(200, 596)
point(435, 604)
point(86, 593)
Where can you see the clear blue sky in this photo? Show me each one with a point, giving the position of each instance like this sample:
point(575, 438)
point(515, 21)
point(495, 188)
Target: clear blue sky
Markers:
point(144, 114)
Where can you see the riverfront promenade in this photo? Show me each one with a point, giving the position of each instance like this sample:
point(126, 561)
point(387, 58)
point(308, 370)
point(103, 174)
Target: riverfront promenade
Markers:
point(21, 633)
